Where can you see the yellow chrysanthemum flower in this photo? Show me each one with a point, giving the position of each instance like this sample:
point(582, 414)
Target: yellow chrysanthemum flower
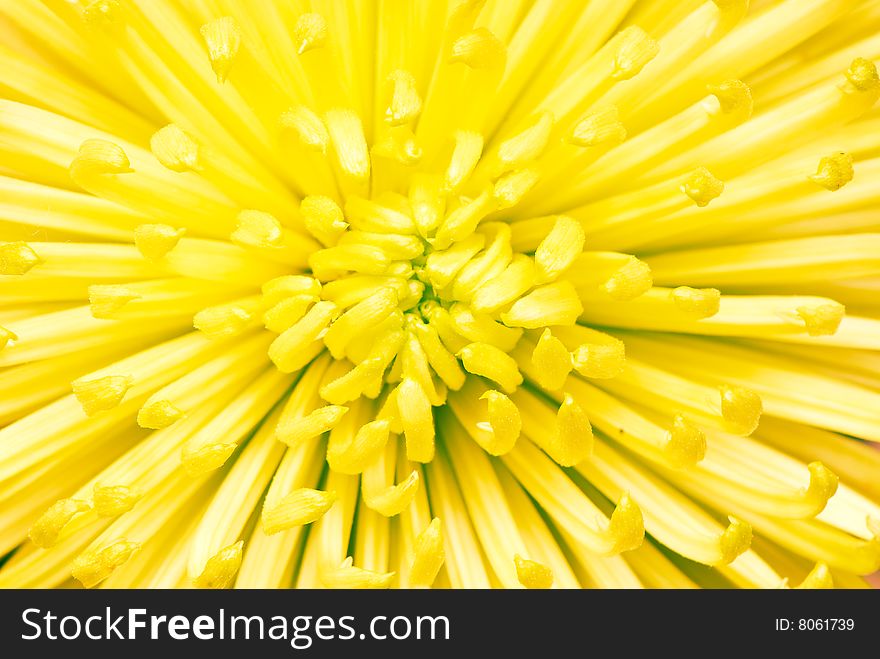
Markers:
point(463, 293)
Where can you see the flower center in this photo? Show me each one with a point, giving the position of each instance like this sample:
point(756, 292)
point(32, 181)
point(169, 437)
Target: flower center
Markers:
point(413, 297)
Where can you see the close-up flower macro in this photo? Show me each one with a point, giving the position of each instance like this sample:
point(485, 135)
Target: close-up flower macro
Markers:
point(439, 293)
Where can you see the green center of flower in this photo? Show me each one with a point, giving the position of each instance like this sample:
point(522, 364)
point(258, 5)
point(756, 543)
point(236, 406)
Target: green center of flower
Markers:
point(415, 293)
